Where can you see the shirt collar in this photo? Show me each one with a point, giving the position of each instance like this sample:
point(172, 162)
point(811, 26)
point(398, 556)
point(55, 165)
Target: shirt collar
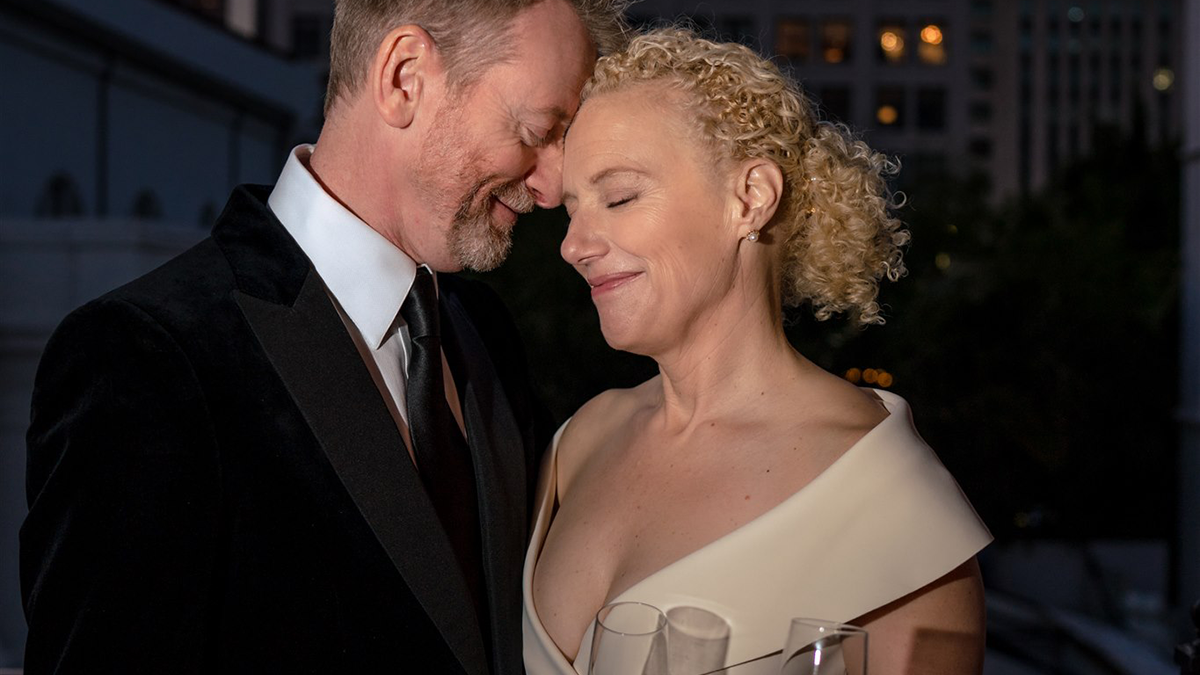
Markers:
point(367, 274)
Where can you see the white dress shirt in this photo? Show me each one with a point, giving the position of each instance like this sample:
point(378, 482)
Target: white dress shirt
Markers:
point(366, 276)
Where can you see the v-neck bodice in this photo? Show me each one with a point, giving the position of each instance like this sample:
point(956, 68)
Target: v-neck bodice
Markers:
point(882, 521)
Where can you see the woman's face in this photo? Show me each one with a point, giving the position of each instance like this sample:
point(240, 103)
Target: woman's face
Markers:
point(650, 218)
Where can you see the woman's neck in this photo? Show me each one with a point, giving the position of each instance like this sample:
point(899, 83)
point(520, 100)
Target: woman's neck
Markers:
point(729, 362)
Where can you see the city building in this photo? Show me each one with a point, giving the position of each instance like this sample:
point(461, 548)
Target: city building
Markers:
point(1012, 89)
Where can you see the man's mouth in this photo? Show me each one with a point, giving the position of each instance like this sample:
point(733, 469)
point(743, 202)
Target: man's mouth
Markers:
point(502, 211)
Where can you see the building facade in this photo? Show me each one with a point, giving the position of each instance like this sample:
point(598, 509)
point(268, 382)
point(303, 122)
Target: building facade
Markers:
point(1011, 89)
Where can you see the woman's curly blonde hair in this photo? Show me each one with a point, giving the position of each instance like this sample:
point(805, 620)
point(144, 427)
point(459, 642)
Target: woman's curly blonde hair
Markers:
point(835, 217)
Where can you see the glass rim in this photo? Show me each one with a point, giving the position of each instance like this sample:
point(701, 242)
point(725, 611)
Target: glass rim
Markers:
point(662, 618)
point(829, 625)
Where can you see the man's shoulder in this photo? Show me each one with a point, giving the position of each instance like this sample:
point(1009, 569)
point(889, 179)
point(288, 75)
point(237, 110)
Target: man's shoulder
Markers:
point(196, 276)
point(205, 273)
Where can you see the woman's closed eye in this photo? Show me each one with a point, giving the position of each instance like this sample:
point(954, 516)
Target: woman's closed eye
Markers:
point(620, 201)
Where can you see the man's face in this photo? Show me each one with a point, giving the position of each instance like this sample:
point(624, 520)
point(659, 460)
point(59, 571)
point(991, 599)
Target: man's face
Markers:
point(496, 149)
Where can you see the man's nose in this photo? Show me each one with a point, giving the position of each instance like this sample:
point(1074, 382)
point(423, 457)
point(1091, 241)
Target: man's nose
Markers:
point(545, 180)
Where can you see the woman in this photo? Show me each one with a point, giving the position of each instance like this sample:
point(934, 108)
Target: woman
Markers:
point(743, 479)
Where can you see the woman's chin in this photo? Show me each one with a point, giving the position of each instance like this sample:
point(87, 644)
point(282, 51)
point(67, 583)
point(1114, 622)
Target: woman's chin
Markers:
point(625, 337)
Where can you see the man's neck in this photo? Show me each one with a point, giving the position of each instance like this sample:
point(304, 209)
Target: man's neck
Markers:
point(351, 164)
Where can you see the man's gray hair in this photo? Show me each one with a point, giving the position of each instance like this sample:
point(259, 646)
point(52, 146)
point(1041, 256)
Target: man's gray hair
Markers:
point(470, 35)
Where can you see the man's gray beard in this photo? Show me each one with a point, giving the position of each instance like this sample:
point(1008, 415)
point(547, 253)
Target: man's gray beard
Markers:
point(474, 240)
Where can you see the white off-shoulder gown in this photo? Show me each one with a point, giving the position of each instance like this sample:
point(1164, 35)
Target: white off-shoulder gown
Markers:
point(882, 521)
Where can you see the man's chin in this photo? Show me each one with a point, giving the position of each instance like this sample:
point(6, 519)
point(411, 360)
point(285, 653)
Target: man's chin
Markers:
point(483, 251)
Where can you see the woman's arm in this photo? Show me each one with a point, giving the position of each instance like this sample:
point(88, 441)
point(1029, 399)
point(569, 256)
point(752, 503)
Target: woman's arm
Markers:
point(936, 630)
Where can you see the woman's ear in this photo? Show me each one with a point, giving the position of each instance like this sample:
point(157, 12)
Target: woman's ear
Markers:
point(758, 189)
point(404, 64)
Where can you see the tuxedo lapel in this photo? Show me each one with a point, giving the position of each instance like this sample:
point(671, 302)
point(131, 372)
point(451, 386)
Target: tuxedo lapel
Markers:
point(305, 340)
point(497, 451)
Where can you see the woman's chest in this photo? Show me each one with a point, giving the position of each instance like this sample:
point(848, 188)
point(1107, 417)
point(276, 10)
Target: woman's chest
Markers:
point(623, 522)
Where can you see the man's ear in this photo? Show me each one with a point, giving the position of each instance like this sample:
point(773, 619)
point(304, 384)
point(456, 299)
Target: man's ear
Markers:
point(757, 191)
point(404, 63)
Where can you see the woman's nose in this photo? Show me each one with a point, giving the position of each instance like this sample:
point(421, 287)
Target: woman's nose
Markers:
point(582, 243)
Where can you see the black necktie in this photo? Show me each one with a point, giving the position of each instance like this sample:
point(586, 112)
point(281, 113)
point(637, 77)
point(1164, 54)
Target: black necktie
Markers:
point(442, 455)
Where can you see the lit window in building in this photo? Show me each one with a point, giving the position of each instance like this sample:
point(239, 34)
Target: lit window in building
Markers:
point(932, 48)
point(931, 109)
point(1164, 79)
point(889, 106)
point(835, 102)
point(835, 41)
point(792, 39)
point(892, 42)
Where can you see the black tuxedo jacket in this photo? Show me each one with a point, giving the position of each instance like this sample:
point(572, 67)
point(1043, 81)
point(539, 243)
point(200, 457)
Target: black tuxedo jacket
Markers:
point(216, 486)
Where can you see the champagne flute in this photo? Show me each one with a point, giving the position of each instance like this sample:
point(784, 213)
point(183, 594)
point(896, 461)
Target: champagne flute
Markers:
point(697, 640)
point(630, 638)
point(818, 647)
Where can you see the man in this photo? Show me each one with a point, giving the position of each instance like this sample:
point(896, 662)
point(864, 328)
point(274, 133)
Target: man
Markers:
point(292, 449)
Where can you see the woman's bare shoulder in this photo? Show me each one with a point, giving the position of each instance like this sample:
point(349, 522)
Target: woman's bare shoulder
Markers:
point(840, 408)
point(593, 425)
